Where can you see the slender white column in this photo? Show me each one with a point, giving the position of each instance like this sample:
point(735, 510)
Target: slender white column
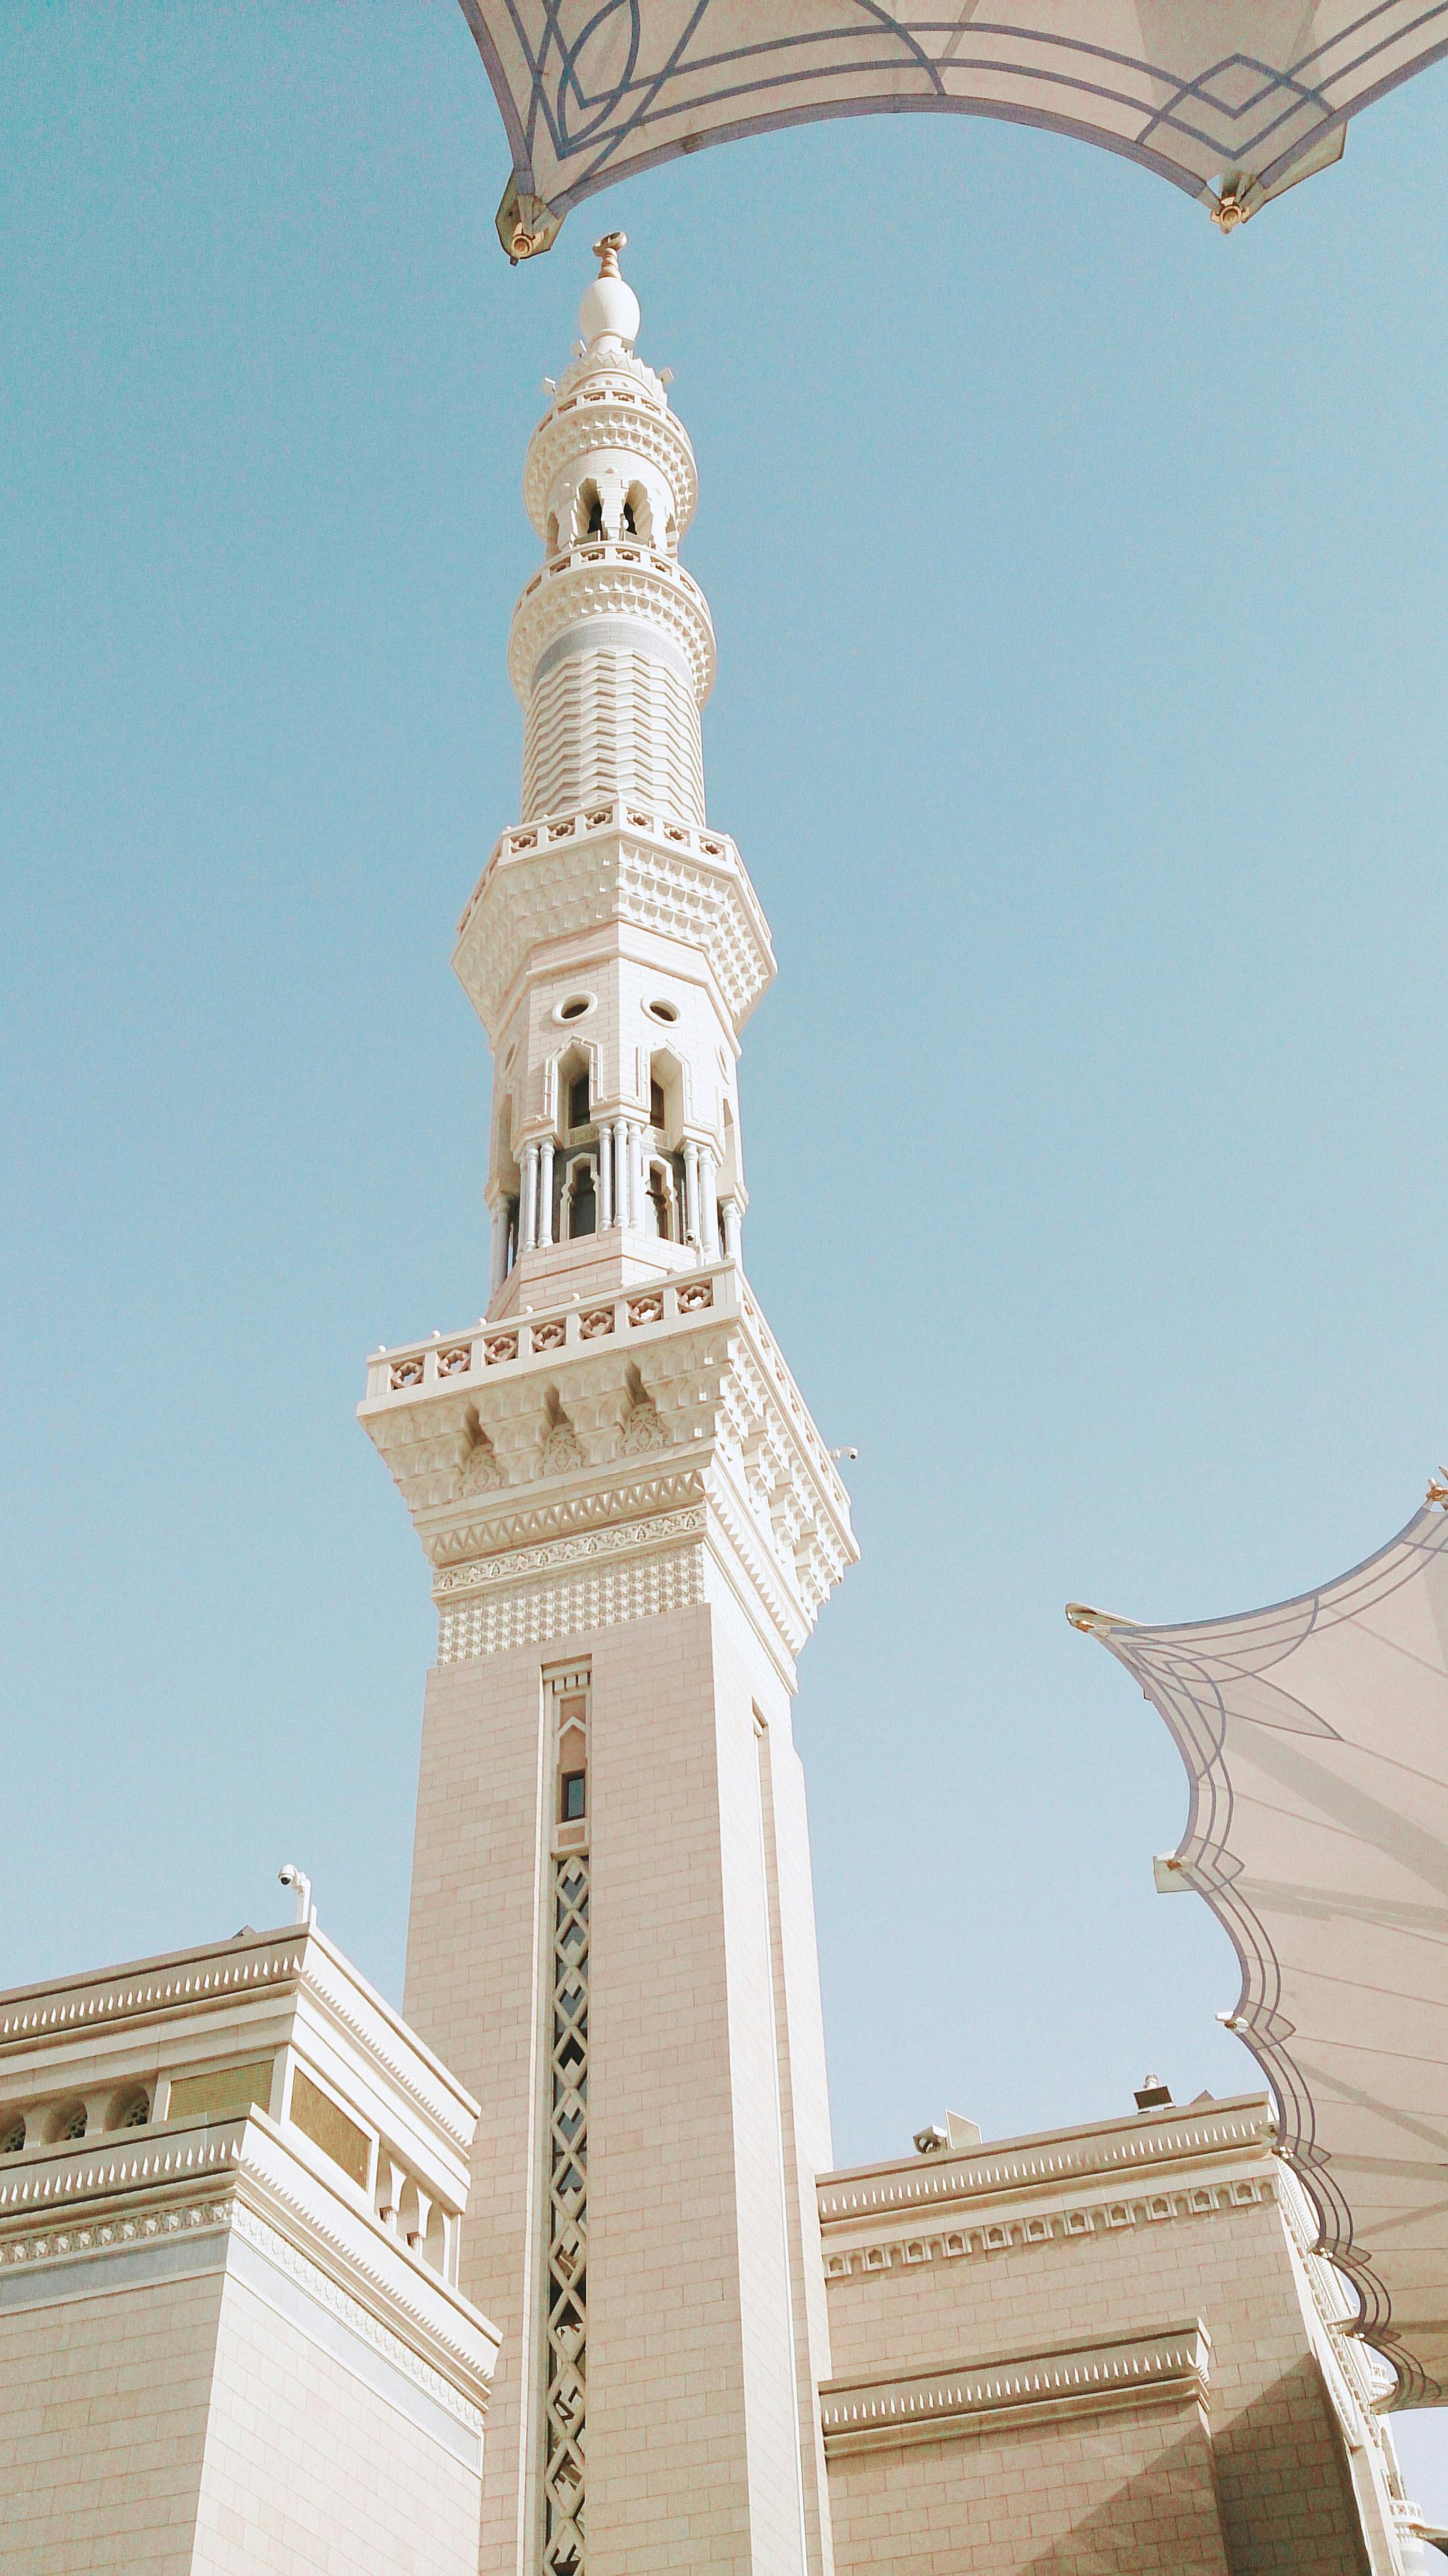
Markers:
point(528, 1205)
point(622, 1172)
point(545, 1191)
point(733, 1231)
point(605, 1178)
point(691, 1190)
point(708, 1203)
point(637, 1171)
point(500, 1242)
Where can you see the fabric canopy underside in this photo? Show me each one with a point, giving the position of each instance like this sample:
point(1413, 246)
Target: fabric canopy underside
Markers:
point(1315, 1736)
point(1232, 99)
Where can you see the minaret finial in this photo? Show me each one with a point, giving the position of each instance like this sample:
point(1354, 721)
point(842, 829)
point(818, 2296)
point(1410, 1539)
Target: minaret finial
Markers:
point(610, 308)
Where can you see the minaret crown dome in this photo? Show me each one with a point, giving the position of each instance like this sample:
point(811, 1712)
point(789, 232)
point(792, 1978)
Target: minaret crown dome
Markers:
point(609, 457)
point(610, 308)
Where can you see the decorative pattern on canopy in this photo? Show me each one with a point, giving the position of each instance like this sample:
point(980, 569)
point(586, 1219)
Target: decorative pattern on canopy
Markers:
point(1233, 99)
point(1315, 1736)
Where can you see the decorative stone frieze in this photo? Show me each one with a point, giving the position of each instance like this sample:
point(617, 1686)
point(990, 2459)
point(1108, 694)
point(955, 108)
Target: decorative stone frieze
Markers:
point(570, 1605)
point(1080, 2219)
point(1087, 2378)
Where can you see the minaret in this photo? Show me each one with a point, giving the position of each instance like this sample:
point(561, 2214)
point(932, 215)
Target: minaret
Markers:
point(632, 1522)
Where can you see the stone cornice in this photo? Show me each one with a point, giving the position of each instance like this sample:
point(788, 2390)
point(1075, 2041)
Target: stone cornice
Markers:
point(190, 1980)
point(59, 2177)
point(1069, 2214)
point(612, 863)
point(1115, 2150)
point(947, 2399)
point(611, 577)
point(520, 1564)
point(516, 1527)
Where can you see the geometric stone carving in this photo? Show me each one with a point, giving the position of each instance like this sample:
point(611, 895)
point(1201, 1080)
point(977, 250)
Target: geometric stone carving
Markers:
point(613, 862)
point(547, 1431)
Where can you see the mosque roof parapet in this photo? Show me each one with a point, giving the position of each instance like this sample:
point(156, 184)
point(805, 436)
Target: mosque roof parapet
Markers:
point(612, 861)
point(1103, 2149)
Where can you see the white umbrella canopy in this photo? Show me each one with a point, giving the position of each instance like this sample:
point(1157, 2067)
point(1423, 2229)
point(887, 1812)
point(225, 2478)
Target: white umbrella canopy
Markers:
point(1233, 99)
point(1315, 1736)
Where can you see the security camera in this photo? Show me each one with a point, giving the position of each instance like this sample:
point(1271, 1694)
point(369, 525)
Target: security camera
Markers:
point(298, 1881)
point(929, 2142)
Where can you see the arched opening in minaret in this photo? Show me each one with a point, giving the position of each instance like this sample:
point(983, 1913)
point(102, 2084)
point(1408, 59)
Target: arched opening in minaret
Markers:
point(575, 1089)
point(552, 536)
point(580, 1200)
point(661, 1215)
point(588, 510)
point(666, 1096)
point(638, 517)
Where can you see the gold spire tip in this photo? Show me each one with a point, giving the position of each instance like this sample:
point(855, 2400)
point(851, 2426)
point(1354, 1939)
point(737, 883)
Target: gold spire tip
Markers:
point(606, 253)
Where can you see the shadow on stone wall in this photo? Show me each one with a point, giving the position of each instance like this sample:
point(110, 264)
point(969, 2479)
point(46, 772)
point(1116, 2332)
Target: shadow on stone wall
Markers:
point(1283, 2505)
point(1165, 2517)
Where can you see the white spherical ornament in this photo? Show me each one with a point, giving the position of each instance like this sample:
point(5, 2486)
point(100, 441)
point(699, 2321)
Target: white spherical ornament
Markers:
point(609, 311)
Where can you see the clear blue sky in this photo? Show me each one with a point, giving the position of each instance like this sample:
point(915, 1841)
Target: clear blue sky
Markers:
point(1079, 581)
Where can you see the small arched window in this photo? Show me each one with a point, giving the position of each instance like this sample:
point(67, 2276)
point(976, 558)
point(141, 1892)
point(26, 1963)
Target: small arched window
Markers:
point(582, 1201)
point(659, 1210)
point(578, 1100)
point(70, 2123)
point(12, 2135)
point(133, 2110)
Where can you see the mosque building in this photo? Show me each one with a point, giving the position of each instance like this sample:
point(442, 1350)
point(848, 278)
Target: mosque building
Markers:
point(556, 2276)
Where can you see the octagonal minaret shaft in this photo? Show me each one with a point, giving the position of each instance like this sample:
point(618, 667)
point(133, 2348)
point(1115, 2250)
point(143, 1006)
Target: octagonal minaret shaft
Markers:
point(614, 946)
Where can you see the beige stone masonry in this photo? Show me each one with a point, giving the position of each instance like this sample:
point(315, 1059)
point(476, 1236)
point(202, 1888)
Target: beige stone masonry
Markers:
point(231, 2336)
point(1083, 2236)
